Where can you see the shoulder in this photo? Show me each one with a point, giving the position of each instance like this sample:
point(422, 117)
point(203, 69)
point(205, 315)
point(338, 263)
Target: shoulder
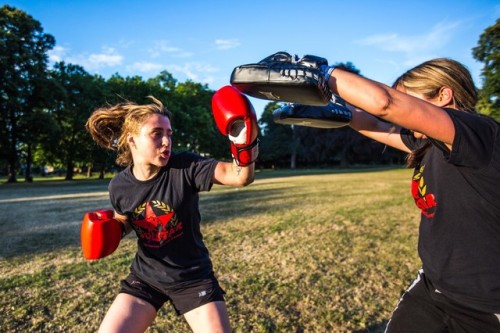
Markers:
point(477, 139)
point(471, 127)
point(473, 120)
point(120, 178)
point(186, 159)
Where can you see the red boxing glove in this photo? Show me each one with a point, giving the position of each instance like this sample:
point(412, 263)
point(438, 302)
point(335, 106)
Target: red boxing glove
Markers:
point(100, 234)
point(235, 118)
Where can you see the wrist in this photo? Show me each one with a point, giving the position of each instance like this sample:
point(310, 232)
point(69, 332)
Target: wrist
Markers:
point(327, 71)
point(244, 155)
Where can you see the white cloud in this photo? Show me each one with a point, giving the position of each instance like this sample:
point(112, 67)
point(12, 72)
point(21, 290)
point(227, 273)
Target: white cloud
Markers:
point(413, 46)
point(146, 67)
point(108, 58)
point(163, 47)
point(410, 50)
point(57, 54)
point(195, 71)
point(224, 44)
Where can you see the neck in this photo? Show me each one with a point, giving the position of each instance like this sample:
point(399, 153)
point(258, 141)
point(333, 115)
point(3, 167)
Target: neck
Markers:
point(144, 172)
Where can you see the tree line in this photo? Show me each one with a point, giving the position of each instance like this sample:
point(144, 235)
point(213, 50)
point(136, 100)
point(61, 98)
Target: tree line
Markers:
point(44, 110)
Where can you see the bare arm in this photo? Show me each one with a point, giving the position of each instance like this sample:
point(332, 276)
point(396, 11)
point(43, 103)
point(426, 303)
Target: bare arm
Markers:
point(123, 219)
point(393, 106)
point(375, 129)
point(231, 174)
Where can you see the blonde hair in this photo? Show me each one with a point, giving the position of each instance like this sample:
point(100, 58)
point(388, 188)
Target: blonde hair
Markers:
point(109, 126)
point(428, 78)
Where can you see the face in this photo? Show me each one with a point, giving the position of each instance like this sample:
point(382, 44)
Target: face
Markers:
point(152, 146)
point(420, 96)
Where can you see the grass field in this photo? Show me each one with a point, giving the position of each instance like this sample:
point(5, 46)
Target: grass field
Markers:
point(296, 251)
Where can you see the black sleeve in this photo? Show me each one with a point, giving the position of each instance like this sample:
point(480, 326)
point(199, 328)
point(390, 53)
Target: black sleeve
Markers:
point(475, 139)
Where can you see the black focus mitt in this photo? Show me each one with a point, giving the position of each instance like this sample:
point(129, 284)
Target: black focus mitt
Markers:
point(333, 115)
point(284, 77)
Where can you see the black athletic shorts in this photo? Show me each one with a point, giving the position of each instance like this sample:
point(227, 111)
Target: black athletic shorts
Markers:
point(425, 309)
point(184, 299)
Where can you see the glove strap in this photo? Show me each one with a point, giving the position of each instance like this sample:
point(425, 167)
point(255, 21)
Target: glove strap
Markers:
point(327, 71)
point(245, 155)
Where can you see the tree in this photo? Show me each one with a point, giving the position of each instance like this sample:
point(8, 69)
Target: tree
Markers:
point(40, 132)
point(488, 52)
point(193, 123)
point(82, 94)
point(128, 89)
point(23, 64)
point(277, 145)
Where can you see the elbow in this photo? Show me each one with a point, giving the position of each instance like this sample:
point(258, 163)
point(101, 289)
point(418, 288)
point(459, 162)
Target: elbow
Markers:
point(247, 181)
point(382, 104)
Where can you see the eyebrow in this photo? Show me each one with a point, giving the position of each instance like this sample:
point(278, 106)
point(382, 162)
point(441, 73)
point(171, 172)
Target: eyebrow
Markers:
point(159, 128)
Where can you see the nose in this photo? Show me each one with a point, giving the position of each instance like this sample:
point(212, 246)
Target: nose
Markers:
point(166, 140)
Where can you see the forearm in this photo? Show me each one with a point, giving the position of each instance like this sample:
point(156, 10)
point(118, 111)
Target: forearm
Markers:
point(376, 129)
point(232, 174)
point(393, 106)
point(127, 228)
point(244, 175)
point(370, 96)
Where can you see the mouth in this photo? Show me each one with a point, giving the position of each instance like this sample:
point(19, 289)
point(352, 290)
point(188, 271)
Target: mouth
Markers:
point(165, 154)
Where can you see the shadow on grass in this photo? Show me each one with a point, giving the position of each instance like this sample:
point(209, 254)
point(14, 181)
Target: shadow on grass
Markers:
point(44, 217)
point(280, 173)
point(33, 223)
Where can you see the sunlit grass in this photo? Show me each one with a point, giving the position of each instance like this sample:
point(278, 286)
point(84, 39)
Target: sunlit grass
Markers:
point(308, 251)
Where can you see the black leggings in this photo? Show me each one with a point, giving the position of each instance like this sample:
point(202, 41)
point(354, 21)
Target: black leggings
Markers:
point(423, 309)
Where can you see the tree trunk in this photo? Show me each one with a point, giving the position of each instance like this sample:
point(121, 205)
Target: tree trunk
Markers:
point(29, 156)
point(102, 171)
point(11, 166)
point(344, 162)
point(295, 144)
point(11, 174)
point(69, 171)
point(89, 170)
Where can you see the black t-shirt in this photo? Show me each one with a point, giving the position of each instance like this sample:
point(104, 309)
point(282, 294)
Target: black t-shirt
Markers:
point(165, 215)
point(458, 193)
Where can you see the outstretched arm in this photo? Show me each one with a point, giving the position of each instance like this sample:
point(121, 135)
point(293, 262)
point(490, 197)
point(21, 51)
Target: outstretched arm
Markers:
point(394, 106)
point(235, 117)
point(231, 174)
point(376, 129)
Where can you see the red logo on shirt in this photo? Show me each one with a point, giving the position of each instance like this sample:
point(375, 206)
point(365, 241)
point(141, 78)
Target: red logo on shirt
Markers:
point(156, 223)
point(425, 201)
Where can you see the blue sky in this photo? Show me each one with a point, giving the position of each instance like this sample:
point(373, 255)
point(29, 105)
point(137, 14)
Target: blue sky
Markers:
point(204, 40)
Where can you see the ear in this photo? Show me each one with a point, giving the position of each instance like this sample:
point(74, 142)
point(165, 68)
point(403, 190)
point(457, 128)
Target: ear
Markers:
point(130, 140)
point(446, 97)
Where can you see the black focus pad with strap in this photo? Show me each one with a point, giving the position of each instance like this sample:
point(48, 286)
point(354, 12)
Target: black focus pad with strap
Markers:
point(284, 77)
point(333, 115)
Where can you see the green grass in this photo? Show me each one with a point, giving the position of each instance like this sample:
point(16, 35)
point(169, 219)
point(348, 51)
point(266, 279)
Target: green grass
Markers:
point(296, 251)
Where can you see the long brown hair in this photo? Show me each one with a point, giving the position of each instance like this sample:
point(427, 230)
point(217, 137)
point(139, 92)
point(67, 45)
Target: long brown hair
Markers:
point(428, 78)
point(109, 126)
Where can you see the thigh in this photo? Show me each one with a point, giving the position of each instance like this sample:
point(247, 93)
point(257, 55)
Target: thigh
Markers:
point(194, 294)
point(210, 317)
point(128, 314)
point(416, 312)
point(462, 319)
